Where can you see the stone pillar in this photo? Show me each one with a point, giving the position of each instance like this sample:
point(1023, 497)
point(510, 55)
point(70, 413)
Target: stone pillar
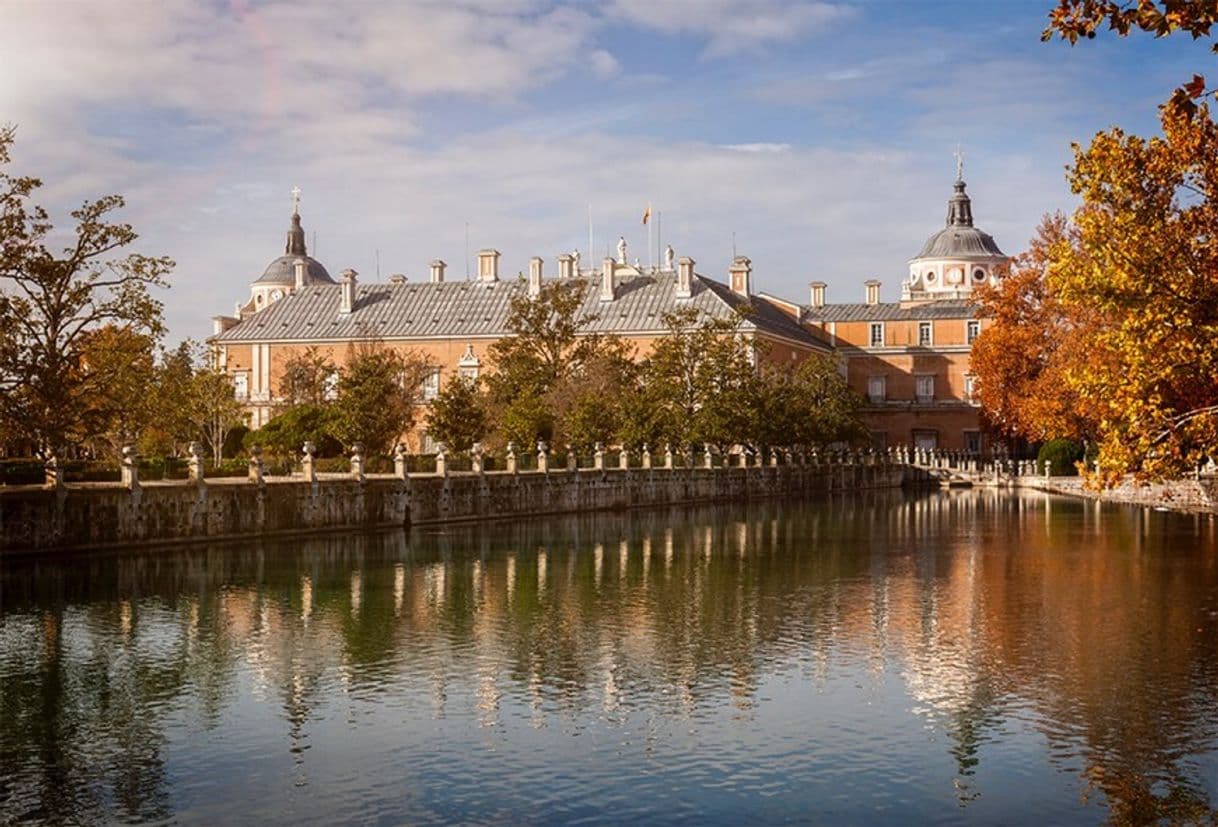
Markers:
point(441, 459)
point(624, 458)
point(668, 456)
point(130, 467)
point(646, 458)
point(689, 456)
point(543, 461)
point(400, 461)
point(744, 458)
point(256, 467)
point(54, 474)
point(194, 463)
point(307, 464)
point(475, 459)
point(510, 462)
point(357, 461)
point(572, 459)
point(773, 458)
point(598, 457)
point(709, 460)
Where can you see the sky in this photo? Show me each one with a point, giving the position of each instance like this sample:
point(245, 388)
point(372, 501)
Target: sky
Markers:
point(814, 136)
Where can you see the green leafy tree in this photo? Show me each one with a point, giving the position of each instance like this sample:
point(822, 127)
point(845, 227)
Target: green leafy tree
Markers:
point(307, 379)
point(808, 405)
point(536, 369)
point(52, 301)
point(458, 415)
point(286, 434)
point(212, 410)
point(121, 363)
point(378, 394)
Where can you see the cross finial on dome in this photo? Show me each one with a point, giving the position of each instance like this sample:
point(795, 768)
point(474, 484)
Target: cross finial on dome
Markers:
point(959, 156)
point(295, 200)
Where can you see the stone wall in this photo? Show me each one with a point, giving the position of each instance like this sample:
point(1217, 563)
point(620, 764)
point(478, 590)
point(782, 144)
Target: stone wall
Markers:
point(1178, 495)
point(100, 515)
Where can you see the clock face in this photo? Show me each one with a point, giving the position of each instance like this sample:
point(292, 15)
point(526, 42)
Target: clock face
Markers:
point(955, 276)
point(276, 295)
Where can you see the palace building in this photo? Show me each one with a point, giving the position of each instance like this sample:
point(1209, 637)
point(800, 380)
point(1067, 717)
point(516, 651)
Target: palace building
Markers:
point(908, 359)
point(296, 305)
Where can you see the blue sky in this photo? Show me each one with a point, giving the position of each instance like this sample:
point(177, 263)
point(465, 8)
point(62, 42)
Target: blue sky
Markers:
point(820, 134)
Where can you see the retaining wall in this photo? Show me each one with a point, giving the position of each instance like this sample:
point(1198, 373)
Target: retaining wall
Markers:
point(99, 515)
point(1178, 495)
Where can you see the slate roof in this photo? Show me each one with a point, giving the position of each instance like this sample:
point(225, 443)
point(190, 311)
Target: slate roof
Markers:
point(283, 271)
point(893, 311)
point(960, 242)
point(456, 309)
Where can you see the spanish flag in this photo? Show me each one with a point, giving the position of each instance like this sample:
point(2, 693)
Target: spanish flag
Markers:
point(647, 214)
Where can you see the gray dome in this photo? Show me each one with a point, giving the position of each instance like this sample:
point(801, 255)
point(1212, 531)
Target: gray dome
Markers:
point(283, 271)
point(960, 242)
point(960, 239)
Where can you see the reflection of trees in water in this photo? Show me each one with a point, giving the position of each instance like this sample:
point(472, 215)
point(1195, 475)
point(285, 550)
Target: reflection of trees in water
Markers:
point(987, 605)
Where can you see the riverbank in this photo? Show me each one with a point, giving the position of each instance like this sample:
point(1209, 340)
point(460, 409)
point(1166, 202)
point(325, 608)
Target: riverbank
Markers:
point(1190, 495)
point(83, 516)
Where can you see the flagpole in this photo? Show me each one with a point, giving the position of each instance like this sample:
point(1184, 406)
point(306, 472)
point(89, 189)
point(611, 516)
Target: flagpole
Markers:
point(591, 249)
point(660, 237)
point(650, 260)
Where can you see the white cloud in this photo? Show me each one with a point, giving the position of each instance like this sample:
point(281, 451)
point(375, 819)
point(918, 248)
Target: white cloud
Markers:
point(756, 147)
point(734, 26)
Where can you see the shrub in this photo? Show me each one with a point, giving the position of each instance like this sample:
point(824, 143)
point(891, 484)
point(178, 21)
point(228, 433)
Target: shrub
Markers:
point(1060, 455)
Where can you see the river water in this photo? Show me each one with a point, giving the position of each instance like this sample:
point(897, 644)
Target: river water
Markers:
point(941, 658)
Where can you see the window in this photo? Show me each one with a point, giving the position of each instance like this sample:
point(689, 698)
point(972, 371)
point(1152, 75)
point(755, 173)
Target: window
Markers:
point(329, 386)
point(427, 445)
point(930, 276)
point(925, 440)
point(925, 388)
point(469, 365)
point(877, 334)
point(978, 275)
point(924, 334)
point(431, 385)
point(241, 386)
point(972, 329)
point(877, 387)
point(970, 387)
point(972, 442)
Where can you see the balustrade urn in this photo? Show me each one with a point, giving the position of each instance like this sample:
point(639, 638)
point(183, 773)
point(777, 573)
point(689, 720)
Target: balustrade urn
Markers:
point(357, 461)
point(307, 465)
point(256, 468)
point(543, 462)
point(476, 463)
point(598, 457)
point(646, 456)
point(572, 459)
point(400, 457)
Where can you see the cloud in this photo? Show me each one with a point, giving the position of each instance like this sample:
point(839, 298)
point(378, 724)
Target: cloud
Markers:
point(732, 27)
point(757, 147)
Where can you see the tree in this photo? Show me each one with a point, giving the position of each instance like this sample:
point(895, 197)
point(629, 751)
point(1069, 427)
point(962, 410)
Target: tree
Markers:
point(589, 403)
point(458, 415)
point(120, 363)
point(51, 302)
point(378, 392)
point(537, 369)
point(1145, 266)
point(212, 410)
point(808, 405)
point(1021, 359)
point(1072, 19)
point(286, 434)
point(308, 379)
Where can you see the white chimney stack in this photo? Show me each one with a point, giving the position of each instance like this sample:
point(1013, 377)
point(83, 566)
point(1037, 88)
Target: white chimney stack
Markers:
point(535, 264)
point(741, 276)
point(685, 277)
point(488, 265)
point(818, 293)
point(437, 271)
point(566, 266)
point(347, 302)
point(608, 279)
point(873, 291)
point(299, 266)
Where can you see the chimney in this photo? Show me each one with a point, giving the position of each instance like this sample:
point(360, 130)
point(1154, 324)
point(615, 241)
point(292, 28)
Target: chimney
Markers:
point(299, 266)
point(437, 271)
point(397, 278)
point(488, 265)
point(347, 303)
point(535, 264)
point(566, 266)
point(740, 275)
point(608, 279)
point(685, 277)
point(219, 324)
point(818, 293)
point(873, 291)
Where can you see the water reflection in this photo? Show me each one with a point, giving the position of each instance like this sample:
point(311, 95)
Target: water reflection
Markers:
point(873, 659)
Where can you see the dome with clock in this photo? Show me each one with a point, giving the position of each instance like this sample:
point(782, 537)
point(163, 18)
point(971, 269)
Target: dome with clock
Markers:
point(955, 259)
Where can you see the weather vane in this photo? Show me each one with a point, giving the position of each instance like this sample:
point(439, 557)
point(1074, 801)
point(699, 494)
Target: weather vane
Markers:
point(295, 200)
